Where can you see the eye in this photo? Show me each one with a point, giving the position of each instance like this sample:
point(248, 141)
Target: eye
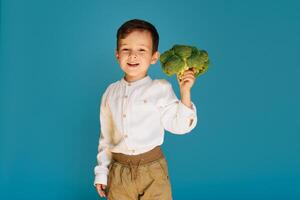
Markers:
point(124, 49)
point(142, 50)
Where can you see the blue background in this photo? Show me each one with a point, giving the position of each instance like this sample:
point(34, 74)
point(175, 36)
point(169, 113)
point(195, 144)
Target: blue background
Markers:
point(57, 58)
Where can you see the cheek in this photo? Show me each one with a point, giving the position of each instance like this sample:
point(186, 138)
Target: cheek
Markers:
point(146, 58)
point(123, 60)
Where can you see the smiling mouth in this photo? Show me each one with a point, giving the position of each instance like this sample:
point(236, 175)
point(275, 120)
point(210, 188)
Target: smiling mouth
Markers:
point(132, 64)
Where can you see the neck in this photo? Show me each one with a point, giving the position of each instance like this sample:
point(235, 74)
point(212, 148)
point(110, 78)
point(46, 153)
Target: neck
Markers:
point(133, 79)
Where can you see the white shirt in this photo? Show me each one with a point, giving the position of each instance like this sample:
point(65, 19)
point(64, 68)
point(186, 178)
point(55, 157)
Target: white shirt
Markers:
point(133, 117)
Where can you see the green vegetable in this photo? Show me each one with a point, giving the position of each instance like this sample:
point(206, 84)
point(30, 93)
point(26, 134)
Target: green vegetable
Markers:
point(181, 58)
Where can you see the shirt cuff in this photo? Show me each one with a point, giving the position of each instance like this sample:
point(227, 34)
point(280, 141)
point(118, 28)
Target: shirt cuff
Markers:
point(187, 112)
point(100, 179)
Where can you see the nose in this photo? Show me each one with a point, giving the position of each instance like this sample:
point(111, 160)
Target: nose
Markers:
point(133, 53)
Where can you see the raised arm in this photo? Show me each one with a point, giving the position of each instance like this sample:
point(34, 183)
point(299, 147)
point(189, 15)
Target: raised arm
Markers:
point(176, 117)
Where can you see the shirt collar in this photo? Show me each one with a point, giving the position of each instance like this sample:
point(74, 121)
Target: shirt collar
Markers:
point(144, 80)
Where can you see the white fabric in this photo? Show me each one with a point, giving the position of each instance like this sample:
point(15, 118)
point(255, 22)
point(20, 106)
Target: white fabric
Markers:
point(133, 117)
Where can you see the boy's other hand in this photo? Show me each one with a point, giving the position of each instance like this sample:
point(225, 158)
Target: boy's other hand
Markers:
point(101, 189)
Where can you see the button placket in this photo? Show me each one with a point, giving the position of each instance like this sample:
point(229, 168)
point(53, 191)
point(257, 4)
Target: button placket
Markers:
point(125, 99)
point(124, 109)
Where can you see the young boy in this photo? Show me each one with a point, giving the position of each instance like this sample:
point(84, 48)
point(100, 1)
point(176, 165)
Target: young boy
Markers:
point(134, 112)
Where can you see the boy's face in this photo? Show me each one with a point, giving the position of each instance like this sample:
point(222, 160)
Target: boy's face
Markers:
point(135, 54)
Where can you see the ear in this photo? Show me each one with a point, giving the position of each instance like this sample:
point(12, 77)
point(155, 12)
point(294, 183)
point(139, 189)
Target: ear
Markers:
point(155, 57)
point(117, 55)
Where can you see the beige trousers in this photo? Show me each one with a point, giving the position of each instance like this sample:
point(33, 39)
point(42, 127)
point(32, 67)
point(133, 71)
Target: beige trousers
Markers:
point(139, 177)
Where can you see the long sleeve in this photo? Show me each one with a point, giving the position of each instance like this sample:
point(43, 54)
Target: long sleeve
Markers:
point(175, 116)
point(104, 154)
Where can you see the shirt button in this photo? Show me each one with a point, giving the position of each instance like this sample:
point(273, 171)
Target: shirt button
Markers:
point(129, 84)
point(133, 151)
point(124, 115)
point(145, 100)
point(125, 96)
point(126, 136)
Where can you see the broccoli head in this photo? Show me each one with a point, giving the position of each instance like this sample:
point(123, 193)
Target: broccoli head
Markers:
point(181, 58)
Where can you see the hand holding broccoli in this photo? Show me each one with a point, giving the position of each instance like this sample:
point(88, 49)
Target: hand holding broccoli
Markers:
point(187, 62)
point(187, 80)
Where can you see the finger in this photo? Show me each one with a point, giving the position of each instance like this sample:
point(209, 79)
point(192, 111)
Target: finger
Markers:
point(98, 187)
point(189, 72)
point(192, 70)
point(102, 194)
point(100, 191)
point(189, 76)
point(188, 80)
point(103, 189)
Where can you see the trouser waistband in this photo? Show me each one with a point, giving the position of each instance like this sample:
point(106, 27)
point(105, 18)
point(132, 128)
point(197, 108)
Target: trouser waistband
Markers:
point(139, 159)
point(134, 161)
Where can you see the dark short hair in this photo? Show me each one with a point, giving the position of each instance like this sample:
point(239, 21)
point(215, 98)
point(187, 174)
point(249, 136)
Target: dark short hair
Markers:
point(141, 25)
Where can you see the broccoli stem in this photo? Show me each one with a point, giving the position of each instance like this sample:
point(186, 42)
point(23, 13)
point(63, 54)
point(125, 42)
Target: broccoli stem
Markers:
point(180, 74)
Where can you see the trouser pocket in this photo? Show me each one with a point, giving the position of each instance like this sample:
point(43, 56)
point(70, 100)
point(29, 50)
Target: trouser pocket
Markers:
point(159, 169)
point(164, 167)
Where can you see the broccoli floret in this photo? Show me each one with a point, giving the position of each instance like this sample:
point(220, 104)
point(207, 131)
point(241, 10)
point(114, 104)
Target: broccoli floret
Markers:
point(181, 58)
